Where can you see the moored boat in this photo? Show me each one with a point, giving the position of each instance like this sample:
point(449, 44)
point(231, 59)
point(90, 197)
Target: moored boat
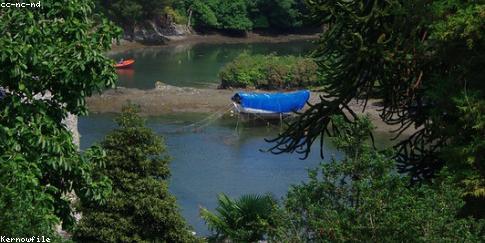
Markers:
point(125, 63)
point(270, 105)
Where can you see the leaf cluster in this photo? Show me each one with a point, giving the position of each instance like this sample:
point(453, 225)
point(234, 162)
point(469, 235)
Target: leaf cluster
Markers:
point(248, 219)
point(51, 58)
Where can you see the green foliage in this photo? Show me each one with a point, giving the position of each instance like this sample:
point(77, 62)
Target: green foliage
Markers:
point(465, 154)
point(127, 12)
point(26, 208)
point(56, 50)
point(234, 16)
point(362, 199)
point(204, 15)
point(231, 15)
point(219, 14)
point(269, 72)
point(177, 17)
point(141, 209)
point(420, 58)
point(276, 14)
point(247, 219)
point(244, 15)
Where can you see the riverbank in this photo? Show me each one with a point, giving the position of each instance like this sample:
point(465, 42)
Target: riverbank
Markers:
point(192, 39)
point(167, 99)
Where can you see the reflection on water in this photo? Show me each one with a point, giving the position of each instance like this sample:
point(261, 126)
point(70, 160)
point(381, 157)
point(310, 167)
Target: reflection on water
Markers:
point(126, 74)
point(193, 65)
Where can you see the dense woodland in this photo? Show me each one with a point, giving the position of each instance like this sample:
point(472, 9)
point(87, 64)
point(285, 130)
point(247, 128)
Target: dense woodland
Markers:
point(229, 16)
point(423, 60)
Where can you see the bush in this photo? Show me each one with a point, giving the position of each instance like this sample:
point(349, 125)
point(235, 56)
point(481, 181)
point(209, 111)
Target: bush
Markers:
point(362, 199)
point(269, 72)
point(141, 209)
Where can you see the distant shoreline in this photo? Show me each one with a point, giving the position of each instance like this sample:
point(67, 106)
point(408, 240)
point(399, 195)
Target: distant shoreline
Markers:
point(251, 37)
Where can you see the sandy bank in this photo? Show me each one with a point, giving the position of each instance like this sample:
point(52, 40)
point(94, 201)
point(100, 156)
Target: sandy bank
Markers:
point(162, 100)
point(166, 99)
point(125, 45)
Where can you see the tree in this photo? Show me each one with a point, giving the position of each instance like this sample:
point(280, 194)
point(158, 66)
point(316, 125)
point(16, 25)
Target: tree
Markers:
point(361, 199)
point(204, 15)
point(247, 219)
point(218, 14)
point(129, 13)
point(423, 61)
point(123, 12)
point(232, 15)
point(141, 208)
point(276, 14)
point(58, 51)
point(153, 8)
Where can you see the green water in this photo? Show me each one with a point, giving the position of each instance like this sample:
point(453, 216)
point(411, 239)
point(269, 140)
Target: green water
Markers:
point(193, 65)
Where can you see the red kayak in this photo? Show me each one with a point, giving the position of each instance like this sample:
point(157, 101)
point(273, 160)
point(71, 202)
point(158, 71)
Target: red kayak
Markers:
point(125, 64)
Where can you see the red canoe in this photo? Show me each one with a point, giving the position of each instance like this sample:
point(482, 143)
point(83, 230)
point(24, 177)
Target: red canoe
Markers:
point(125, 64)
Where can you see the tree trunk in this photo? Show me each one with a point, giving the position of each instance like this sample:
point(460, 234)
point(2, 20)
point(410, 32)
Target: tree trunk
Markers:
point(189, 18)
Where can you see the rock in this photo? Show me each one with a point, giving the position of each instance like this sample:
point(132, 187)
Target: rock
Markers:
point(149, 34)
point(71, 124)
point(70, 121)
point(158, 31)
point(162, 86)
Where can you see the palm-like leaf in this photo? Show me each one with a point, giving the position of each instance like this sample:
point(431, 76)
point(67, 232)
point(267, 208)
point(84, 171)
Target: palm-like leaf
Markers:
point(244, 219)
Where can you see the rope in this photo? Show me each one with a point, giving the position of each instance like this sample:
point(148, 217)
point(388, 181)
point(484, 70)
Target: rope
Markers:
point(269, 124)
point(197, 126)
point(206, 121)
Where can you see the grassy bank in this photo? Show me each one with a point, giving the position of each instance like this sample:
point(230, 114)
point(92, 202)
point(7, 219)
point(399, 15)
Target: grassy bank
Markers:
point(269, 72)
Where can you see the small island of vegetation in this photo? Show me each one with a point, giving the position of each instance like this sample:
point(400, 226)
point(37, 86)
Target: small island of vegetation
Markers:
point(269, 72)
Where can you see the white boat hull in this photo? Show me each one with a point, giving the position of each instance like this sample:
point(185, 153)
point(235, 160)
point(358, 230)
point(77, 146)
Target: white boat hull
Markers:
point(259, 113)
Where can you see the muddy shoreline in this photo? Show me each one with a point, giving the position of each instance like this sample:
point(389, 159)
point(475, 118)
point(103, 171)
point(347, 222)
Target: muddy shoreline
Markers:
point(167, 99)
point(125, 45)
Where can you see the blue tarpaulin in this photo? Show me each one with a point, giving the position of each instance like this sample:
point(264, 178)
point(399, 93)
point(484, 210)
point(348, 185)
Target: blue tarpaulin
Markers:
point(273, 102)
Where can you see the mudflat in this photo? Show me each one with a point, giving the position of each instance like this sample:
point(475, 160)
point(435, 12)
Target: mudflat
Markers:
point(166, 99)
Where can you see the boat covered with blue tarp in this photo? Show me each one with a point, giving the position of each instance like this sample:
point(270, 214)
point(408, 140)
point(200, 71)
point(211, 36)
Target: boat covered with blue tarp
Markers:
point(270, 103)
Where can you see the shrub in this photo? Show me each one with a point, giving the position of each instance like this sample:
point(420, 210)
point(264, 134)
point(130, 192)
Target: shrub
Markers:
point(269, 72)
point(141, 209)
point(362, 199)
point(250, 218)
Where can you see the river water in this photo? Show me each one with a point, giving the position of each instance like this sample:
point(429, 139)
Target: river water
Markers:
point(193, 65)
point(221, 157)
point(224, 155)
